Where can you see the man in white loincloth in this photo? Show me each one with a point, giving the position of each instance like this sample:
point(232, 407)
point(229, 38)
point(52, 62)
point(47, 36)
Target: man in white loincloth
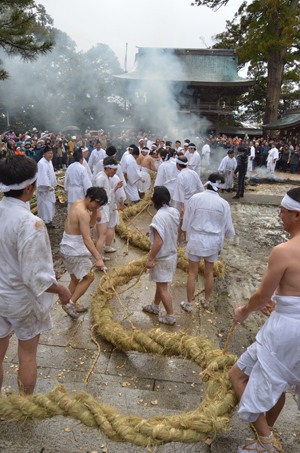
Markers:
point(113, 186)
point(77, 245)
point(77, 180)
point(207, 221)
point(271, 365)
point(226, 169)
point(163, 237)
point(45, 188)
point(27, 278)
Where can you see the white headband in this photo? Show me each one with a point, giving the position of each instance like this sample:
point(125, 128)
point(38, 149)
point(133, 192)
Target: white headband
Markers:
point(84, 150)
point(141, 140)
point(192, 146)
point(186, 144)
point(128, 148)
point(180, 162)
point(290, 204)
point(214, 185)
point(22, 185)
point(111, 166)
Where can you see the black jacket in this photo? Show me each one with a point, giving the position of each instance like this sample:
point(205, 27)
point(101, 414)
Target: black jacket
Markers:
point(242, 163)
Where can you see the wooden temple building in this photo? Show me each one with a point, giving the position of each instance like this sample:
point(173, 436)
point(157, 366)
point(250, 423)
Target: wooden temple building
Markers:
point(287, 127)
point(199, 78)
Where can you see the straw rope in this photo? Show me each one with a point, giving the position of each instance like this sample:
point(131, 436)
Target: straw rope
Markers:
point(211, 416)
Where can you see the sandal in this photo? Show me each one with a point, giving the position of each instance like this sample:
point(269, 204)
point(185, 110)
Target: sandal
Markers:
point(186, 306)
point(80, 308)
point(262, 445)
point(105, 258)
point(70, 309)
point(169, 320)
point(109, 249)
point(204, 303)
point(154, 309)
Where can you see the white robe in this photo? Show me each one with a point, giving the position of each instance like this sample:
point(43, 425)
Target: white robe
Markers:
point(206, 154)
point(123, 161)
point(86, 166)
point(95, 157)
point(99, 168)
point(77, 183)
point(143, 187)
point(226, 168)
point(273, 155)
point(195, 162)
point(251, 158)
point(114, 197)
point(186, 185)
point(166, 223)
point(26, 262)
point(45, 186)
point(133, 176)
point(166, 176)
point(276, 352)
point(207, 221)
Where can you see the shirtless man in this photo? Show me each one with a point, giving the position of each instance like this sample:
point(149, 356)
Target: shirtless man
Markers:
point(76, 246)
point(149, 161)
point(270, 366)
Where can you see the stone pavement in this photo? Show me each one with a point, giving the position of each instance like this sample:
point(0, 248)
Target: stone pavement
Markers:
point(66, 354)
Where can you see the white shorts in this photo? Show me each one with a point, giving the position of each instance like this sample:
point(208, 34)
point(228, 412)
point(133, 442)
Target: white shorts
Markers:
point(211, 258)
point(104, 211)
point(77, 265)
point(25, 328)
point(164, 271)
point(247, 360)
point(113, 219)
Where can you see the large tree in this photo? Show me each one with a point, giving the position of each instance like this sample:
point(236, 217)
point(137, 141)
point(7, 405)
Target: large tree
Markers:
point(23, 30)
point(264, 32)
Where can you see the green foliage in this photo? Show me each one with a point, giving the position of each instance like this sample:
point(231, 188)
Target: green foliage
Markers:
point(266, 36)
point(23, 30)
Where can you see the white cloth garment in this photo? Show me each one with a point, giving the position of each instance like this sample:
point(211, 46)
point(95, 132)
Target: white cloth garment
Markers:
point(75, 255)
point(226, 168)
point(99, 168)
point(133, 176)
point(276, 353)
point(123, 161)
point(273, 156)
point(86, 166)
point(166, 223)
point(195, 162)
point(73, 245)
point(186, 185)
point(251, 158)
point(114, 197)
point(206, 154)
point(77, 183)
point(95, 157)
point(166, 176)
point(25, 262)
point(45, 190)
point(143, 187)
point(207, 221)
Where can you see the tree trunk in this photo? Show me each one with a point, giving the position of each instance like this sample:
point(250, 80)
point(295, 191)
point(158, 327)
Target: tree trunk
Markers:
point(274, 82)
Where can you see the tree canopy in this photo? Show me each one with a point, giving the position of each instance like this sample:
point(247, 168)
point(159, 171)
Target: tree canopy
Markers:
point(265, 34)
point(23, 30)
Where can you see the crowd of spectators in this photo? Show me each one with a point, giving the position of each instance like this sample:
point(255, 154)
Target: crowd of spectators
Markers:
point(63, 146)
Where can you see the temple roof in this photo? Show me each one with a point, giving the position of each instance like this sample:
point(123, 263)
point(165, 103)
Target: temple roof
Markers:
point(197, 66)
point(287, 121)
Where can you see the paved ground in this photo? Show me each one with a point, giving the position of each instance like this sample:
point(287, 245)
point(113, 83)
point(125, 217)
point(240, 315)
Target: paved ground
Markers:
point(66, 353)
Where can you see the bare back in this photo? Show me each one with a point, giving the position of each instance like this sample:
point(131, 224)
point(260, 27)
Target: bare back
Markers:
point(79, 215)
point(149, 163)
point(288, 260)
